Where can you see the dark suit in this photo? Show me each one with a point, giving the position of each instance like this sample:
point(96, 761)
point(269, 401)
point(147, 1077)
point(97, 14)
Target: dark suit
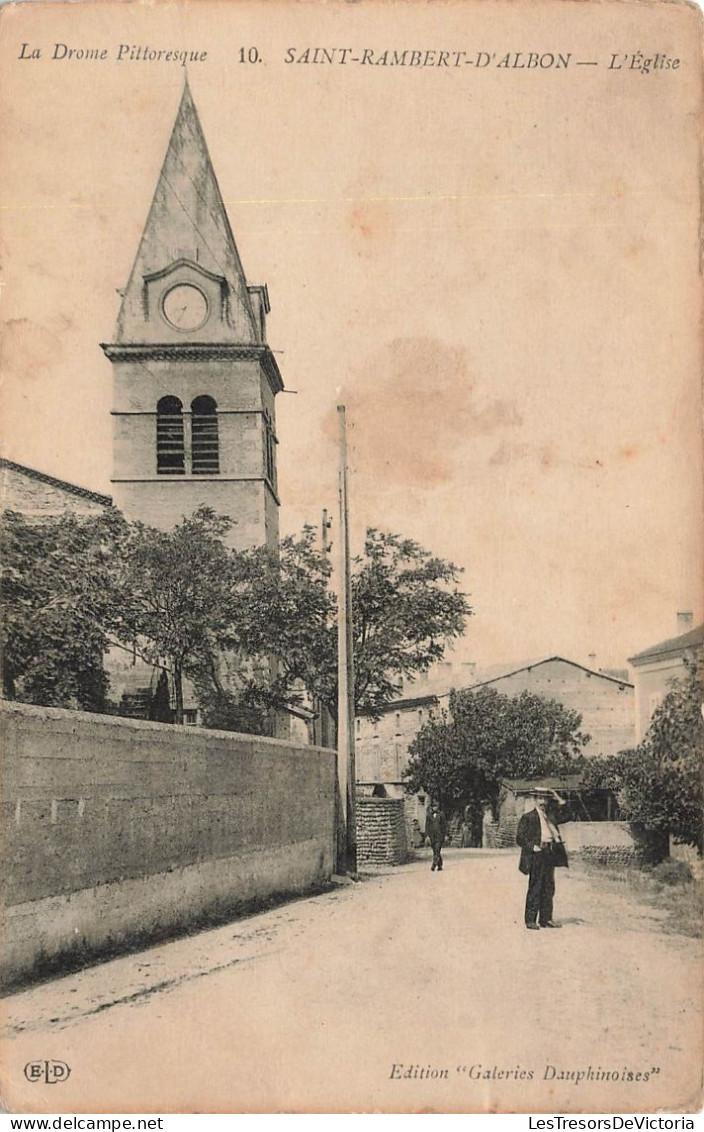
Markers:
point(435, 830)
point(540, 866)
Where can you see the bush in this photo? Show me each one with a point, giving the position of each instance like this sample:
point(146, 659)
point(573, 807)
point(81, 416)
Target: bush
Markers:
point(659, 784)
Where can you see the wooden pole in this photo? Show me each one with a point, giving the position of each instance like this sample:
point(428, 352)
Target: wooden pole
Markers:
point(324, 724)
point(345, 671)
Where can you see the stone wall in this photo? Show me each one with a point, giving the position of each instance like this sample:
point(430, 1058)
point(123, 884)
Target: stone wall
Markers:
point(119, 830)
point(500, 835)
point(381, 831)
point(610, 854)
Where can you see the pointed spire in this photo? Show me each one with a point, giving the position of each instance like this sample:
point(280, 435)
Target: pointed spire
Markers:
point(187, 221)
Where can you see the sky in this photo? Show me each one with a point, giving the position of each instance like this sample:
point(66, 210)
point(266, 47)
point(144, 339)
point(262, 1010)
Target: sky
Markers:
point(495, 270)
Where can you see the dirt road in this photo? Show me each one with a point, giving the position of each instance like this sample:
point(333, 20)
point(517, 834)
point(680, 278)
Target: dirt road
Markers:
point(409, 991)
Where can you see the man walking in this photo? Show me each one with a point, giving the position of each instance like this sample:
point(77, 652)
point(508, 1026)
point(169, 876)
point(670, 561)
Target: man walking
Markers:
point(435, 830)
point(542, 851)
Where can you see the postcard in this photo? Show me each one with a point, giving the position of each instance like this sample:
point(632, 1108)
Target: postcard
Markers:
point(474, 225)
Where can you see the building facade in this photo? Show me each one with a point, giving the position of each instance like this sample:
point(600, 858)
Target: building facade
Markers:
point(656, 668)
point(194, 380)
point(605, 702)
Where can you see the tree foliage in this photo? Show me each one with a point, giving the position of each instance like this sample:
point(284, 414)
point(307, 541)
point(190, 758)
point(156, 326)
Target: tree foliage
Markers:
point(253, 630)
point(182, 595)
point(57, 608)
point(462, 755)
point(406, 608)
point(659, 782)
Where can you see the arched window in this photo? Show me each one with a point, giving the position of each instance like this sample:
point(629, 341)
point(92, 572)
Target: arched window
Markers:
point(170, 455)
point(205, 460)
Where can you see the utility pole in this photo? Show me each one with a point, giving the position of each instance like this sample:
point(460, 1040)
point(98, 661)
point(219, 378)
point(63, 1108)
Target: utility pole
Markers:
point(324, 724)
point(325, 527)
point(347, 840)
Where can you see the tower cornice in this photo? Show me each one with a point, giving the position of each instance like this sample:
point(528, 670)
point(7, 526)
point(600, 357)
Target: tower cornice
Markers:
point(196, 352)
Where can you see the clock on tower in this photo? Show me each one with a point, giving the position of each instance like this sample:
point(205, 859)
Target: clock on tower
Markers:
point(185, 307)
point(194, 381)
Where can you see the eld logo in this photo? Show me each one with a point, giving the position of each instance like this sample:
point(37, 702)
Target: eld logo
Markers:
point(50, 1072)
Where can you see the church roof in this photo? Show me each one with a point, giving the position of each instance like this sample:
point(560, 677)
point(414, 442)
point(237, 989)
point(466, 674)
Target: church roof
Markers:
point(187, 221)
point(52, 481)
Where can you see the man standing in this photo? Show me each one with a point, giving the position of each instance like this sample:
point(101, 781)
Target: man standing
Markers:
point(435, 830)
point(542, 851)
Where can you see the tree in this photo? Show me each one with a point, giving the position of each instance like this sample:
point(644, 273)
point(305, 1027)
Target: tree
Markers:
point(659, 782)
point(181, 593)
point(254, 630)
point(406, 609)
point(57, 603)
point(462, 755)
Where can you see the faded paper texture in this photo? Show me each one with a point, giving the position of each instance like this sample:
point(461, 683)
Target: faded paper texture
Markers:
point(479, 227)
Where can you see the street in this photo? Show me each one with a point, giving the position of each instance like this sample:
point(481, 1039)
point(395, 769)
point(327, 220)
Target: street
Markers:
point(409, 991)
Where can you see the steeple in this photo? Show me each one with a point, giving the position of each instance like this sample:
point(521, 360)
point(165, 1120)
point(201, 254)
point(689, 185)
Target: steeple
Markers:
point(187, 224)
point(194, 381)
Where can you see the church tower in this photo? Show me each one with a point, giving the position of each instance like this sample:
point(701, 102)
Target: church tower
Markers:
point(194, 380)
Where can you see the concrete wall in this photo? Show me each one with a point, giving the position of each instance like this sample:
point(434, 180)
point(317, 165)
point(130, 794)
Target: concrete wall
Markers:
point(119, 830)
point(381, 831)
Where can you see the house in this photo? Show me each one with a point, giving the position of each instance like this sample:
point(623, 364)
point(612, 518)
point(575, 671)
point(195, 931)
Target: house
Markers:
point(604, 701)
point(381, 755)
point(655, 669)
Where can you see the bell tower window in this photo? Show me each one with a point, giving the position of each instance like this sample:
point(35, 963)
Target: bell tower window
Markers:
point(170, 449)
point(205, 457)
point(269, 450)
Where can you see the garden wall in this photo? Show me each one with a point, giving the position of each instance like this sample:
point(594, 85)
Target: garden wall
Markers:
point(119, 830)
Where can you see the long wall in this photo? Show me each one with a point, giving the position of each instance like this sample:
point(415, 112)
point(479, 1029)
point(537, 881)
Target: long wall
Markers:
point(119, 830)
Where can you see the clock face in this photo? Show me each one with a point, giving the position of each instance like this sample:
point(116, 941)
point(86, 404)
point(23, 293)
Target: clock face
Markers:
point(185, 307)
